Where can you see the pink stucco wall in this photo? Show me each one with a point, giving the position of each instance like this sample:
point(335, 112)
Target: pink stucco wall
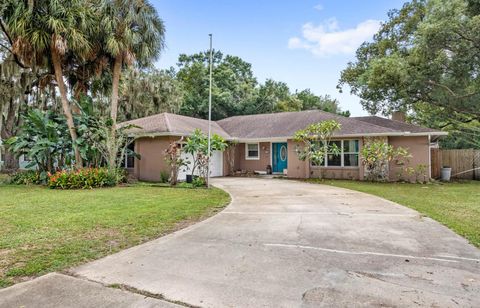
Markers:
point(418, 147)
point(152, 162)
point(255, 164)
point(296, 167)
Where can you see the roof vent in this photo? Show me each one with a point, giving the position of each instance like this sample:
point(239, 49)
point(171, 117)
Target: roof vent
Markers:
point(399, 116)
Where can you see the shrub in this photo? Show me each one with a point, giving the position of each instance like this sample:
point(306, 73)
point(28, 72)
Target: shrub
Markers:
point(84, 178)
point(198, 181)
point(4, 178)
point(30, 177)
point(376, 158)
point(121, 175)
point(314, 142)
point(164, 176)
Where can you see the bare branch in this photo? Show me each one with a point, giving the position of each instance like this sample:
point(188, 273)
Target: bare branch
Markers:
point(451, 91)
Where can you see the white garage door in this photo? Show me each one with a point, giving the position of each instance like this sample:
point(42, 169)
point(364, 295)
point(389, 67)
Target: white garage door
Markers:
point(182, 173)
point(216, 165)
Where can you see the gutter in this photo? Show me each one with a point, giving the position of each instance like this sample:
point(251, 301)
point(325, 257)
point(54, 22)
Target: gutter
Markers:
point(392, 134)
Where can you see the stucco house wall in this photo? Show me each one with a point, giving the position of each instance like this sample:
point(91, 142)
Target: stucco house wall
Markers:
point(236, 160)
point(152, 161)
point(295, 167)
point(418, 147)
point(254, 164)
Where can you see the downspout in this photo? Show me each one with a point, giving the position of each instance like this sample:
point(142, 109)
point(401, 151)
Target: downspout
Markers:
point(429, 157)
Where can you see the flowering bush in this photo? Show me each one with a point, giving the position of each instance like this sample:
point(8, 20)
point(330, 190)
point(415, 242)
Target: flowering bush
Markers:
point(83, 178)
point(377, 156)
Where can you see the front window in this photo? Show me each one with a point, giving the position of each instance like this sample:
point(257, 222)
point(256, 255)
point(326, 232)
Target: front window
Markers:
point(350, 153)
point(332, 159)
point(252, 151)
point(130, 156)
point(348, 156)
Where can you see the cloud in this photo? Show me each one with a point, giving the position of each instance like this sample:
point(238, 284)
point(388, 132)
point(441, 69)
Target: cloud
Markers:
point(328, 39)
point(318, 7)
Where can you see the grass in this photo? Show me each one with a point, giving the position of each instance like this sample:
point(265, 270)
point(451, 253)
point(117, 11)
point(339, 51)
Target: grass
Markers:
point(456, 205)
point(44, 230)
point(3, 178)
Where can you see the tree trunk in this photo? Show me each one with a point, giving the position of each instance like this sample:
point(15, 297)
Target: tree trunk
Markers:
point(9, 127)
point(65, 104)
point(112, 148)
point(10, 162)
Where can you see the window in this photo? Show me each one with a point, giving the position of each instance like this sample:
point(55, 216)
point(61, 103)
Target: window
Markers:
point(252, 151)
point(348, 156)
point(334, 160)
point(350, 153)
point(130, 156)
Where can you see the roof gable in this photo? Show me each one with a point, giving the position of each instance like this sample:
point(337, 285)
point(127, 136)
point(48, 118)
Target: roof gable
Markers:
point(173, 124)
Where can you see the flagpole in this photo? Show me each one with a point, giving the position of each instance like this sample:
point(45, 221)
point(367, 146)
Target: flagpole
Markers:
point(209, 114)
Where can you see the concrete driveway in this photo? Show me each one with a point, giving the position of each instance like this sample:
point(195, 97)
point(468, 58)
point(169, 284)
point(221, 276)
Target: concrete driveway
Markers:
point(291, 244)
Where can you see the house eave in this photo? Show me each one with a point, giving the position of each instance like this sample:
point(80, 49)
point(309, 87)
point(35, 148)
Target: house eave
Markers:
point(165, 134)
point(285, 138)
point(390, 134)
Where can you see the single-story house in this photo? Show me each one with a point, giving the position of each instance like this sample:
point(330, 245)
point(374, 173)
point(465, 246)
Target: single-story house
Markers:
point(266, 140)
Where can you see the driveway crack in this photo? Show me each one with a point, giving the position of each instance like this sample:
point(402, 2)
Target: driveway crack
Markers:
point(131, 289)
point(159, 296)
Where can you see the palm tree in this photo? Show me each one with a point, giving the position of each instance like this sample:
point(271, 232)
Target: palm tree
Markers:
point(43, 32)
point(134, 33)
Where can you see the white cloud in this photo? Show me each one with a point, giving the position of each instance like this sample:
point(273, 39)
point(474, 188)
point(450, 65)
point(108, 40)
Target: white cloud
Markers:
point(327, 39)
point(318, 7)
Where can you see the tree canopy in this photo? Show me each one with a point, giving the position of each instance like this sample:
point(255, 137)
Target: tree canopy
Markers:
point(93, 62)
point(236, 91)
point(425, 59)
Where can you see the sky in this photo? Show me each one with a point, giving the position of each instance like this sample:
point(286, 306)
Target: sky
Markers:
point(303, 43)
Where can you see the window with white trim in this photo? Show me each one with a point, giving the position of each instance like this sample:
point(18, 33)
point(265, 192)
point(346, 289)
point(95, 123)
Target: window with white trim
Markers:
point(252, 151)
point(334, 160)
point(350, 151)
point(348, 157)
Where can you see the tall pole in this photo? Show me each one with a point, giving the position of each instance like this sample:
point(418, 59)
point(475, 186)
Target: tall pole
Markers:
point(209, 114)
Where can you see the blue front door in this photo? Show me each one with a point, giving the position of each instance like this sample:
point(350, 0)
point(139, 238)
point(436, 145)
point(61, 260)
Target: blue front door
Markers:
point(279, 156)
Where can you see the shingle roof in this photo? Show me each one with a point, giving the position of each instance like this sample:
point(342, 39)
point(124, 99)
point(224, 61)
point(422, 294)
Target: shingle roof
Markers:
point(285, 124)
point(173, 124)
point(395, 125)
point(272, 125)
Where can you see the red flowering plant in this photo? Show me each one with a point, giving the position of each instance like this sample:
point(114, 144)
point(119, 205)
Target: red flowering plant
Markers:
point(84, 178)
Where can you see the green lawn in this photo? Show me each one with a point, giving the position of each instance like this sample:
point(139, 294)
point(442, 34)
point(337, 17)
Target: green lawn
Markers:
point(456, 205)
point(44, 230)
point(3, 178)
